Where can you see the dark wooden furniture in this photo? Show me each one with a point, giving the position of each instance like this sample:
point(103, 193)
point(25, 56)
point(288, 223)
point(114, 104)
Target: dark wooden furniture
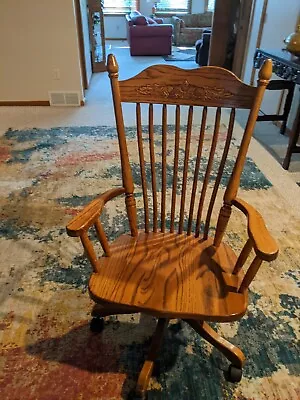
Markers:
point(174, 268)
point(97, 34)
point(287, 67)
point(276, 84)
point(222, 42)
point(231, 24)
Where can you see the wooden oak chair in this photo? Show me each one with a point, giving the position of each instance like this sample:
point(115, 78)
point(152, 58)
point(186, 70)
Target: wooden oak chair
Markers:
point(175, 273)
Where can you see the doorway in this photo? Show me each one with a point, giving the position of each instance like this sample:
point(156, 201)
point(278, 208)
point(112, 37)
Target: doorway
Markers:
point(91, 38)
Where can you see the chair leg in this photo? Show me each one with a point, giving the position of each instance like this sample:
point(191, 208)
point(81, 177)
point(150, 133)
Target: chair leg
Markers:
point(287, 108)
point(104, 310)
point(231, 352)
point(292, 146)
point(147, 369)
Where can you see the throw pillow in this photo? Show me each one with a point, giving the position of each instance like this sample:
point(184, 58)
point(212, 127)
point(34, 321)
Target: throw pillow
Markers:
point(139, 20)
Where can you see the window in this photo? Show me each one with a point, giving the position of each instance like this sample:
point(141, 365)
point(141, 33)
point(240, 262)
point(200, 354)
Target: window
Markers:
point(210, 5)
point(173, 6)
point(120, 6)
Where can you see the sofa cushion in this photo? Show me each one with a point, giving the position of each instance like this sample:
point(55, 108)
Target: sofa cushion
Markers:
point(139, 20)
point(154, 30)
point(189, 36)
point(198, 20)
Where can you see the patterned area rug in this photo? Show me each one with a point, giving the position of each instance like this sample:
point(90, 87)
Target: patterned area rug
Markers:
point(47, 349)
point(181, 55)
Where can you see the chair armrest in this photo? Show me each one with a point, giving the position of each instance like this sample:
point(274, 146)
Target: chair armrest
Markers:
point(264, 245)
point(87, 217)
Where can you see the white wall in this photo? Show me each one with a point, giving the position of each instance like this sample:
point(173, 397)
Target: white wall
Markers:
point(198, 6)
point(252, 40)
point(35, 38)
point(280, 21)
point(146, 6)
point(115, 26)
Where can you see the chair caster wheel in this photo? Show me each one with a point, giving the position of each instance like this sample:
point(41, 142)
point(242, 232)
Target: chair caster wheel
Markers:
point(234, 374)
point(97, 325)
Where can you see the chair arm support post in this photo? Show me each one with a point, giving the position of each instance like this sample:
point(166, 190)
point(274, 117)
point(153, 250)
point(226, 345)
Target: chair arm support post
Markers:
point(131, 212)
point(102, 237)
point(264, 245)
point(250, 274)
point(89, 250)
point(222, 223)
point(89, 215)
point(243, 257)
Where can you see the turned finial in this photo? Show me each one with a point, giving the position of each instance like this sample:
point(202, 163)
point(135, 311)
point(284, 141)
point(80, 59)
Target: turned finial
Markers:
point(265, 72)
point(112, 65)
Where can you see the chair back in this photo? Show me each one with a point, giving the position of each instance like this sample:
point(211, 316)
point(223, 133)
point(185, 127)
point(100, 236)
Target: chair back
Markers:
point(174, 89)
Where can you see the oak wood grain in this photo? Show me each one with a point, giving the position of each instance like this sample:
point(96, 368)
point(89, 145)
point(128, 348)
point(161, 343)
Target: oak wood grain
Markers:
point(142, 166)
point(170, 275)
point(153, 170)
point(91, 212)
point(185, 167)
point(208, 169)
point(164, 168)
point(197, 168)
point(113, 72)
point(205, 86)
point(167, 274)
point(264, 76)
point(220, 172)
point(102, 237)
point(244, 254)
point(263, 243)
point(175, 166)
point(90, 251)
point(250, 274)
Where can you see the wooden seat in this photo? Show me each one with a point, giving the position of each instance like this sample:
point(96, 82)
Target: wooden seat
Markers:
point(174, 268)
point(178, 276)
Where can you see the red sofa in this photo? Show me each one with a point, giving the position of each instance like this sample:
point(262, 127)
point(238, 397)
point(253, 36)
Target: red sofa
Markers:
point(147, 36)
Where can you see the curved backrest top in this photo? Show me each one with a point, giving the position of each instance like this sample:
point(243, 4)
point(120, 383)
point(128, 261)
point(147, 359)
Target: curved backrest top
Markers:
point(188, 153)
point(205, 86)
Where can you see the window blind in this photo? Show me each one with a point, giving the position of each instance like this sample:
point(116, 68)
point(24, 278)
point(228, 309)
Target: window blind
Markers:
point(120, 6)
point(173, 6)
point(211, 5)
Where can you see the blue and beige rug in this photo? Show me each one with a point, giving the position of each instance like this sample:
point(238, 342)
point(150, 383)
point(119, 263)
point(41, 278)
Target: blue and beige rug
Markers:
point(47, 349)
